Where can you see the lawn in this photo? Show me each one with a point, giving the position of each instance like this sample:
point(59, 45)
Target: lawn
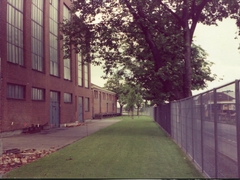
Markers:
point(131, 148)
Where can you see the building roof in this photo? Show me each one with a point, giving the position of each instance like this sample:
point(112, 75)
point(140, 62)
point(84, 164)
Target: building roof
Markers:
point(221, 96)
point(94, 86)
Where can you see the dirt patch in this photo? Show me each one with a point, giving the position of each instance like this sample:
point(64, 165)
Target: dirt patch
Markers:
point(14, 159)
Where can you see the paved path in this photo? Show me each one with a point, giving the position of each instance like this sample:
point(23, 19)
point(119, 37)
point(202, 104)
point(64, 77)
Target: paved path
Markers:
point(57, 138)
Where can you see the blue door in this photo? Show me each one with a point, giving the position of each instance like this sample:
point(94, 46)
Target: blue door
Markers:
point(54, 109)
point(80, 109)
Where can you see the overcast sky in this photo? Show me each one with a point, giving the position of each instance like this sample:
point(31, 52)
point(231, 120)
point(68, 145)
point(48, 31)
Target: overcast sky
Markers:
point(222, 48)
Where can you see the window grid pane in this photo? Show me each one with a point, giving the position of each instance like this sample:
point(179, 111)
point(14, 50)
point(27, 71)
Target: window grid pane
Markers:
point(15, 32)
point(86, 76)
point(54, 69)
point(67, 98)
point(37, 94)
point(15, 91)
point(86, 104)
point(37, 35)
point(67, 69)
point(80, 67)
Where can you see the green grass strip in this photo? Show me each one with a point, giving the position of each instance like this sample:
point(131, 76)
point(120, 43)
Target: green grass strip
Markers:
point(131, 148)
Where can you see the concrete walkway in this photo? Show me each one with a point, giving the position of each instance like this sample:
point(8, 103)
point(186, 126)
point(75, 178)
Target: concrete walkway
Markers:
point(55, 138)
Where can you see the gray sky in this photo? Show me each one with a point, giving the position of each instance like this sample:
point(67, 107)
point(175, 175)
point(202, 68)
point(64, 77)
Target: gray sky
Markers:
point(222, 48)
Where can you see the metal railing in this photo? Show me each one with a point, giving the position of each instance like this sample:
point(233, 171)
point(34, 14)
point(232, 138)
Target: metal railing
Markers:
point(207, 128)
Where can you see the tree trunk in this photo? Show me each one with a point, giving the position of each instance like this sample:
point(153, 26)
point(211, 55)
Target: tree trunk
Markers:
point(132, 110)
point(121, 107)
point(138, 111)
point(187, 76)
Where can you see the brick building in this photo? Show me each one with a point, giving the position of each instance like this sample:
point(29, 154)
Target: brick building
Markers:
point(37, 85)
point(104, 102)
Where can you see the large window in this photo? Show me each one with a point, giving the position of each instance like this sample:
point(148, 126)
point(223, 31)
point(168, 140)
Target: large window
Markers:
point(104, 96)
point(15, 91)
point(67, 62)
point(86, 104)
point(80, 68)
point(37, 34)
point(95, 94)
point(86, 75)
point(37, 94)
point(15, 31)
point(113, 107)
point(53, 23)
point(67, 97)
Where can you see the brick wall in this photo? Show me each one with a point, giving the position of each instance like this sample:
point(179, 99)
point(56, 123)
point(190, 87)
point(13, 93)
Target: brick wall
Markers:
point(104, 101)
point(17, 114)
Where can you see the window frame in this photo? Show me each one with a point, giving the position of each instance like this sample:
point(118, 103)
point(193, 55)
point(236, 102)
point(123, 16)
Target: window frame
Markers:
point(80, 70)
point(67, 98)
point(53, 38)
point(86, 75)
point(15, 20)
point(87, 104)
point(95, 94)
point(37, 40)
point(14, 93)
point(66, 61)
point(40, 90)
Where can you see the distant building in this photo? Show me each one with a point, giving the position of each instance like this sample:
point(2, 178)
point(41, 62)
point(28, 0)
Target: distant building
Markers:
point(104, 102)
point(37, 85)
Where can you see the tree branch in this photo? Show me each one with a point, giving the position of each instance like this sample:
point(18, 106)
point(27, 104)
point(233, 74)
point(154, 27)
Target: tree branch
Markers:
point(198, 9)
point(174, 14)
point(142, 15)
point(148, 37)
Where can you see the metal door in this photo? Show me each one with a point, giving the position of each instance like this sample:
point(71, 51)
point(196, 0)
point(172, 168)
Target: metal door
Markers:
point(54, 109)
point(80, 109)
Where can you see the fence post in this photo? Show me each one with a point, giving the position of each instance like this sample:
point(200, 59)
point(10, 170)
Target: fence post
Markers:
point(237, 123)
point(155, 113)
point(192, 105)
point(186, 124)
point(169, 119)
point(180, 122)
point(177, 122)
point(201, 119)
point(215, 132)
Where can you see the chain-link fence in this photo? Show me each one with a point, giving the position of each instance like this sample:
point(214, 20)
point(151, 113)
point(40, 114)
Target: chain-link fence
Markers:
point(207, 128)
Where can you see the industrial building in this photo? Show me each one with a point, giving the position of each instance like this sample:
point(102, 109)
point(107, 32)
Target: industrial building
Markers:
point(38, 87)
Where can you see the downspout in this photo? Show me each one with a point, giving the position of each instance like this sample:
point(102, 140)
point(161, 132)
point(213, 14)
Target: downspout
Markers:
point(1, 94)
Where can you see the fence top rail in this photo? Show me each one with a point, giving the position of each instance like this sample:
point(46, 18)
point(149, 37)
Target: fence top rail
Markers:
point(191, 97)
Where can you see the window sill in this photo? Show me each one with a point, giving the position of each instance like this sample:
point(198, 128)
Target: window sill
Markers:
point(35, 70)
point(16, 64)
point(15, 99)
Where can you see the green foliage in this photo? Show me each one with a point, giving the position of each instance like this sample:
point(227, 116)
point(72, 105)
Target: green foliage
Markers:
point(128, 93)
point(116, 84)
point(150, 41)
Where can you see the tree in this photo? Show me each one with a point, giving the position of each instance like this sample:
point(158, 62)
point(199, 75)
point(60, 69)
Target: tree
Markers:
point(131, 100)
point(165, 85)
point(134, 98)
point(116, 84)
point(128, 93)
point(138, 102)
point(156, 34)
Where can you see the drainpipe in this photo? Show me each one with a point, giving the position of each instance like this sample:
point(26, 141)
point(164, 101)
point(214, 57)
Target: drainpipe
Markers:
point(1, 106)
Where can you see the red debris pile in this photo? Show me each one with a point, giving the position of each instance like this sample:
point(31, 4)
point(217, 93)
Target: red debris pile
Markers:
point(11, 160)
point(74, 124)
